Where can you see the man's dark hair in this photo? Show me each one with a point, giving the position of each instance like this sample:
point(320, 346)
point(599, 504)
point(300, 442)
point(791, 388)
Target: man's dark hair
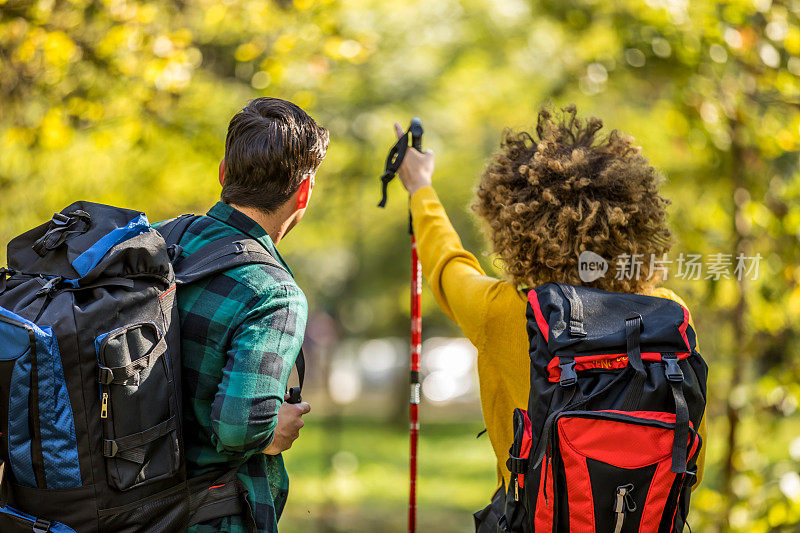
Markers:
point(271, 145)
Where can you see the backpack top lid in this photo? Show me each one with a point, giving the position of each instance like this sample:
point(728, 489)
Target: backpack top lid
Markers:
point(584, 320)
point(80, 244)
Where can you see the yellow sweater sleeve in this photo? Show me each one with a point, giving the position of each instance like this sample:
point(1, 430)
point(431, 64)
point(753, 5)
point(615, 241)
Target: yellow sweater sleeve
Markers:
point(461, 287)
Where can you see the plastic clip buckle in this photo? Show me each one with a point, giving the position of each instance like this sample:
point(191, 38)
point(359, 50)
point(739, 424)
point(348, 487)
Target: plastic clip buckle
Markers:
point(50, 286)
point(672, 369)
point(60, 219)
point(568, 376)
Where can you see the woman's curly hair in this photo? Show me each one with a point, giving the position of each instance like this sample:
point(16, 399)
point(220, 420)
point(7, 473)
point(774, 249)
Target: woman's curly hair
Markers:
point(548, 198)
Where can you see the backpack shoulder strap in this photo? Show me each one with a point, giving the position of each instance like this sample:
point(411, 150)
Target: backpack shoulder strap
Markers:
point(173, 231)
point(221, 255)
point(213, 258)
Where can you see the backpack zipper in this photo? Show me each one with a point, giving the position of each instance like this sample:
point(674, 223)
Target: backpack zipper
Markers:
point(624, 503)
point(547, 466)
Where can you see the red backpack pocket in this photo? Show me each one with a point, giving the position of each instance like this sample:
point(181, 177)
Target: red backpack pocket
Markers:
point(521, 447)
point(611, 472)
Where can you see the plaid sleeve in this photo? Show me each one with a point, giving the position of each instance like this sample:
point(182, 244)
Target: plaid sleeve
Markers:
point(261, 355)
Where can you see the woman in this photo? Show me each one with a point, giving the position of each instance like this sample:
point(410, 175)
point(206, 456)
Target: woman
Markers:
point(544, 198)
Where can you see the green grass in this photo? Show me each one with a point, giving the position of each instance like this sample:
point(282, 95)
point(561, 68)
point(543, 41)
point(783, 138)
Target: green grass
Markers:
point(352, 476)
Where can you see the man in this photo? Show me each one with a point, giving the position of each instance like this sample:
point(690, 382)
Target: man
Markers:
point(241, 330)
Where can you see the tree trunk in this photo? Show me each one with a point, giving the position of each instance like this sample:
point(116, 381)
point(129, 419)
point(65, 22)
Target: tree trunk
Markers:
point(741, 337)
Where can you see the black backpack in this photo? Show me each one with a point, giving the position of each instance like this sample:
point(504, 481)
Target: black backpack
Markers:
point(90, 389)
point(609, 442)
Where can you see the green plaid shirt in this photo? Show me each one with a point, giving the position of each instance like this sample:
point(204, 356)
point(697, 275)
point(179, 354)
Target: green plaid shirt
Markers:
point(241, 332)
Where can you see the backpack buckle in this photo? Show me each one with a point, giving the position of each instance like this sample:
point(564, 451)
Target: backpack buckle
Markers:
point(49, 287)
point(174, 251)
point(672, 369)
point(576, 328)
point(568, 375)
point(240, 247)
point(60, 219)
point(517, 465)
point(41, 526)
point(105, 376)
point(110, 448)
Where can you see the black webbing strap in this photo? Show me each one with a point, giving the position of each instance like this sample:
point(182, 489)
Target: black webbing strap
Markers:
point(62, 226)
point(120, 375)
point(173, 230)
point(5, 273)
point(300, 363)
point(295, 393)
point(681, 438)
point(633, 330)
point(102, 282)
point(569, 400)
point(393, 162)
point(125, 447)
point(575, 324)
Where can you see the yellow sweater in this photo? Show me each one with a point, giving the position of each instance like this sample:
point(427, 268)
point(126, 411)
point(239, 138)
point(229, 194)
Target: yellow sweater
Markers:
point(491, 313)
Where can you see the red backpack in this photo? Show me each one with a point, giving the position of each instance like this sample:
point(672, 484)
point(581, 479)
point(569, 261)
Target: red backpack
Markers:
point(609, 441)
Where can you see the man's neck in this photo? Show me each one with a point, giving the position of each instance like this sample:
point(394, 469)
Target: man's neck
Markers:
point(276, 224)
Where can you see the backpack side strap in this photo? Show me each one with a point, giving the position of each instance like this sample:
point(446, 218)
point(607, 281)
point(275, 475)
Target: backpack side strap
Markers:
point(633, 330)
point(679, 443)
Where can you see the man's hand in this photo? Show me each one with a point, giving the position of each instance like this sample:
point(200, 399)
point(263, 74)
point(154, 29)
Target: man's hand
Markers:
point(416, 170)
point(288, 428)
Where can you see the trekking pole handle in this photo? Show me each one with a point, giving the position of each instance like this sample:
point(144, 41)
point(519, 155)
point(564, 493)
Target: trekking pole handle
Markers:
point(294, 395)
point(416, 133)
point(416, 142)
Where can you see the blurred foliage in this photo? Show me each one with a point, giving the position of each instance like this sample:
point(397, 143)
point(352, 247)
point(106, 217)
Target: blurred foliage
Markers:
point(127, 102)
point(347, 475)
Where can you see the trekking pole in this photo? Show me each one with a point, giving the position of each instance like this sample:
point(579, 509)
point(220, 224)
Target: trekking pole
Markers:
point(393, 162)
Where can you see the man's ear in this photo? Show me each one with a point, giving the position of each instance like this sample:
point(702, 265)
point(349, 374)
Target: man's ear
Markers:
point(304, 193)
point(222, 171)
